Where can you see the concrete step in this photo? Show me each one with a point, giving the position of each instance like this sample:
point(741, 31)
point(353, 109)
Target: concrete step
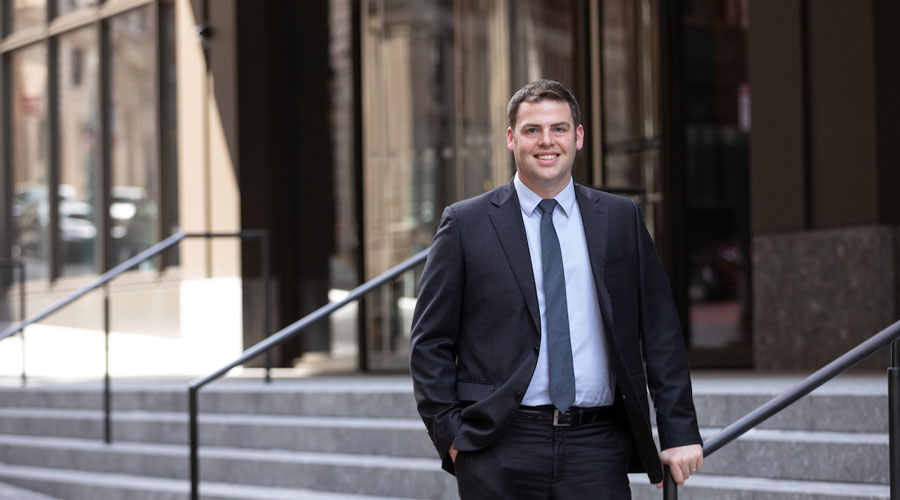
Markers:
point(382, 436)
point(379, 397)
point(817, 412)
point(9, 492)
point(79, 485)
point(814, 456)
point(718, 487)
point(338, 472)
point(721, 398)
point(361, 435)
point(857, 457)
point(810, 455)
point(851, 403)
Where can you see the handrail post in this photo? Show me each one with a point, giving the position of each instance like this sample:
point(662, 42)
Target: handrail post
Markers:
point(267, 326)
point(21, 267)
point(193, 438)
point(670, 489)
point(894, 416)
point(107, 396)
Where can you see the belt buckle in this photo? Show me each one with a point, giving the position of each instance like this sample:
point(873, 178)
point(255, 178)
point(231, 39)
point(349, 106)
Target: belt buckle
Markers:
point(556, 419)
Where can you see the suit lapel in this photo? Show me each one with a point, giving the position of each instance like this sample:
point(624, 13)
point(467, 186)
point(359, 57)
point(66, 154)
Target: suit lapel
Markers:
point(595, 216)
point(596, 228)
point(506, 218)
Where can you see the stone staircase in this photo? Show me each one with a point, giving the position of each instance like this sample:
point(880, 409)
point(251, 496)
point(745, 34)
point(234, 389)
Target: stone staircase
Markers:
point(832, 444)
point(358, 437)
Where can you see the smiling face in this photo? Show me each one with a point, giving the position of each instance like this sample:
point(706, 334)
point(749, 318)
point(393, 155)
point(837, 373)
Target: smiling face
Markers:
point(543, 141)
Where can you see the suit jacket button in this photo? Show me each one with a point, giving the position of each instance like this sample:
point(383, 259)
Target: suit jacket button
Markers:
point(537, 349)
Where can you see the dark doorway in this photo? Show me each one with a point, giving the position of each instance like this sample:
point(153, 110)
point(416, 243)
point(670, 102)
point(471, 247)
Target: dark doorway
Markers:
point(713, 125)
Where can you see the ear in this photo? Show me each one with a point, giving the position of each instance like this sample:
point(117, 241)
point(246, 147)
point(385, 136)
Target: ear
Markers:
point(579, 138)
point(511, 139)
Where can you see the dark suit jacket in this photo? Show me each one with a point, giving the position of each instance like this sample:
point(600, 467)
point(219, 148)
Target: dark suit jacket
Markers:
point(476, 326)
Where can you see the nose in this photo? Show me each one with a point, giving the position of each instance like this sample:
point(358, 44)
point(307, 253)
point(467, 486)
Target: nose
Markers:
point(545, 138)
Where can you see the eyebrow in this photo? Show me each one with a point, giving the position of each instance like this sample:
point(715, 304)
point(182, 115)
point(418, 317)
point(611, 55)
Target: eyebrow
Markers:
point(537, 125)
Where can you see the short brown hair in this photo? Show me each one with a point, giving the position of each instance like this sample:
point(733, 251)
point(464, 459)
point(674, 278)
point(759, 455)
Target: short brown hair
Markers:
point(540, 90)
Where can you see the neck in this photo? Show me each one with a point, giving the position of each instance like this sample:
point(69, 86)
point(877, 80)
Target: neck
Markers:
point(546, 191)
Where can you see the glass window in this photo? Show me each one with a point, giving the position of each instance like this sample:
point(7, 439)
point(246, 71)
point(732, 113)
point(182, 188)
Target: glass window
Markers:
point(135, 175)
point(29, 140)
point(66, 6)
point(28, 13)
point(543, 44)
point(79, 150)
point(631, 143)
point(622, 76)
point(65, 177)
point(437, 77)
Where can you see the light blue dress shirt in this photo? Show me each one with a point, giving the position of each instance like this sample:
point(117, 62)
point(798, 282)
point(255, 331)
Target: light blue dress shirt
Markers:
point(593, 379)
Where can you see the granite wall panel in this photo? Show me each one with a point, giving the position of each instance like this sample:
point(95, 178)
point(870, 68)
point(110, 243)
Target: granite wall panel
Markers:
point(817, 294)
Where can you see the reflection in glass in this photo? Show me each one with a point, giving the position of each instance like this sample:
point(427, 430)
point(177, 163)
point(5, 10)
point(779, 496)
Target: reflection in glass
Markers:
point(79, 135)
point(28, 13)
point(406, 133)
point(407, 138)
point(135, 179)
point(621, 72)
point(631, 160)
point(344, 261)
point(390, 319)
point(437, 78)
point(66, 6)
point(30, 210)
point(543, 42)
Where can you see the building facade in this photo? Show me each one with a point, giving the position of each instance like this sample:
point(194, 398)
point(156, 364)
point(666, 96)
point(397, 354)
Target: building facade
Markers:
point(757, 137)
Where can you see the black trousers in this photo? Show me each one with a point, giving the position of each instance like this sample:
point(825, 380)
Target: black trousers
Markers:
point(534, 461)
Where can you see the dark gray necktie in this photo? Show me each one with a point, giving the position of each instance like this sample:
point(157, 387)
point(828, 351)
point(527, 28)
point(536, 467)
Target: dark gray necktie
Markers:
point(559, 346)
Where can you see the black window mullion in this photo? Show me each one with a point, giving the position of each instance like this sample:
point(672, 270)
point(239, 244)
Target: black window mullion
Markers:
point(6, 194)
point(5, 9)
point(601, 95)
point(168, 125)
point(103, 250)
point(53, 166)
point(159, 82)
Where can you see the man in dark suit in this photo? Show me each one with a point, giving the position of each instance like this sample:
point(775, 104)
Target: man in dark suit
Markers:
point(543, 315)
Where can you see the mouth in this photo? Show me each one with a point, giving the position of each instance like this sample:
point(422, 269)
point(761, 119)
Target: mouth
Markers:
point(546, 158)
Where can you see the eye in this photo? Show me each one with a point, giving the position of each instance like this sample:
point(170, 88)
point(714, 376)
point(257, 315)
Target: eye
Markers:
point(530, 130)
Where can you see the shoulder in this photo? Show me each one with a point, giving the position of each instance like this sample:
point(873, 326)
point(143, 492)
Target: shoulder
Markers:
point(609, 202)
point(479, 206)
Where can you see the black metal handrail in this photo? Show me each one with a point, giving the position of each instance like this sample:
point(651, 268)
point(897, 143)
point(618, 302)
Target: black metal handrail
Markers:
point(103, 281)
point(19, 264)
point(276, 339)
point(890, 335)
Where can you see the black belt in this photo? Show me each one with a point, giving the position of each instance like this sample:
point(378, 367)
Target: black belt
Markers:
point(572, 417)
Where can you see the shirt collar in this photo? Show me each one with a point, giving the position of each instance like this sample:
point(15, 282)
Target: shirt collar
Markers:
point(528, 199)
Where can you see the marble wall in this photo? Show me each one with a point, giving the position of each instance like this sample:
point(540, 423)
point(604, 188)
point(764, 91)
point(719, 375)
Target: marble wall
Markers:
point(819, 293)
